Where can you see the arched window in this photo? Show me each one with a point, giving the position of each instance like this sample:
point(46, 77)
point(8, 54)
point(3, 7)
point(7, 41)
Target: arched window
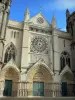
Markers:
point(14, 34)
point(71, 28)
point(64, 59)
point(10, 53)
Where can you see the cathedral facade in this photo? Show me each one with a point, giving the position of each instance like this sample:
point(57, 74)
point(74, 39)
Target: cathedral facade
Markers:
point(36, 58)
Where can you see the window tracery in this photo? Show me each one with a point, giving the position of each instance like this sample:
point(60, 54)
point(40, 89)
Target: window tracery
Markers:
point(64, 59)
point(39, 45)
point(10, 53)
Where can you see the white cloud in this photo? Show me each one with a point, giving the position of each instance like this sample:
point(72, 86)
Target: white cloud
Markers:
point(60, 4)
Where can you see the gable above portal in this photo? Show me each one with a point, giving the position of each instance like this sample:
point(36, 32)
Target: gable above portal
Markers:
point(39, 20)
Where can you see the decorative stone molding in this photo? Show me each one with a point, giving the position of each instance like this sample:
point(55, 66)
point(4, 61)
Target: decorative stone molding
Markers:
point(66, 69)
point(11, 64)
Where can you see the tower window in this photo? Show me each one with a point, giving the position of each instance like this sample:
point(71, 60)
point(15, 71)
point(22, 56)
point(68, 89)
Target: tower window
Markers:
point(17, 34)
point(11, 34)
point(64, 43)
point(14, 34)
point(70, 28)
point(10, 54)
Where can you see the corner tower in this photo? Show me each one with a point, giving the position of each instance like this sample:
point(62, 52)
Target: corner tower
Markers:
point(70, 20)
point(4, 14)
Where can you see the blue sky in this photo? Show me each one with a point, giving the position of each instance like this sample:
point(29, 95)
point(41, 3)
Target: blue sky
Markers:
point(58, 7)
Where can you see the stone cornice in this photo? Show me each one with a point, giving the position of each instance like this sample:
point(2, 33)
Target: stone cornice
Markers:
point(14, 27)
point(40, 27)
point(40, 33)
point(62, 34)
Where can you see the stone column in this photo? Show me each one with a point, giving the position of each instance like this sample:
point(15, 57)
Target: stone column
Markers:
point(25, 48)
point(56, 51)
point(4, 24)
point(56, 61)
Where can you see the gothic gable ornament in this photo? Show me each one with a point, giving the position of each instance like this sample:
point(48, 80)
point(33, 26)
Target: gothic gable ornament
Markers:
point(40, 20)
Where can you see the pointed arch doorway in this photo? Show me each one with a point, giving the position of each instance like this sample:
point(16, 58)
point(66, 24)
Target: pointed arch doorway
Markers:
point(67, 83)
point(39, 77)
point(11, 76)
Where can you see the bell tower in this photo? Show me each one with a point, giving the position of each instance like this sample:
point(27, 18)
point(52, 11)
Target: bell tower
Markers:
point(4, 14)
point(70, 19)
point(5, 10)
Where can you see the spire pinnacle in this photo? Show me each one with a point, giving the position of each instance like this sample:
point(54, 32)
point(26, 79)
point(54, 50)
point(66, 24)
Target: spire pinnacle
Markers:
point(54, 25)
point(40, 9)
point(27, 14)
point(67, 13)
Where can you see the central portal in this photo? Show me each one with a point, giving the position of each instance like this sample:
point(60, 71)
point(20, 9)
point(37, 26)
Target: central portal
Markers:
point(38, 88)
point(39, 78)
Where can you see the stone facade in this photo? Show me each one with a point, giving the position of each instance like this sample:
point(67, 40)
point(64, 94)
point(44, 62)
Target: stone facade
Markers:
point(35, 50)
